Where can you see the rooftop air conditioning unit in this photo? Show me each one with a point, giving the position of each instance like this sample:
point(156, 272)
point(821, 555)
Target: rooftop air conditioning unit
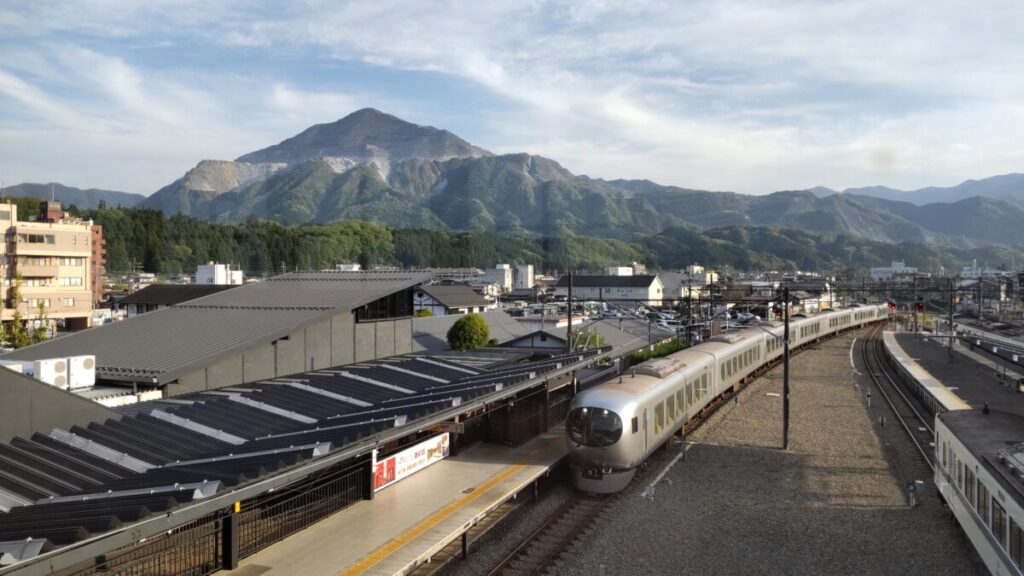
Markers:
point(12, 365)
point(53, 371)
point(81, 371)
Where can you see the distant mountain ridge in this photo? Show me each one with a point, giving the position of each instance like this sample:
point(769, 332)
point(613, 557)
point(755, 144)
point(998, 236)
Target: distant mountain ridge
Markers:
point(373, 166)
point(68, 195)
point(1008, 187)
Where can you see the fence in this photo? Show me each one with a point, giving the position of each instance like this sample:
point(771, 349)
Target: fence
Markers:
point(198, 548)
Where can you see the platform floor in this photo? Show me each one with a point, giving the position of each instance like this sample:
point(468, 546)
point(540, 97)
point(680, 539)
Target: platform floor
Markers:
point(411, 520)
point(974, 378)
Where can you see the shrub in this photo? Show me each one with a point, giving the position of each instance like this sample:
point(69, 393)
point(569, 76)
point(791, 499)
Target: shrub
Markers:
point(469, 332)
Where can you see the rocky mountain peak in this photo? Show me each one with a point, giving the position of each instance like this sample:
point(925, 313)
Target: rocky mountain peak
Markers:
point(367, 135)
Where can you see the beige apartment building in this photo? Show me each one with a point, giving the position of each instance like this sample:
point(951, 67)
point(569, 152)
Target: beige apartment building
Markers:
point(59, 259)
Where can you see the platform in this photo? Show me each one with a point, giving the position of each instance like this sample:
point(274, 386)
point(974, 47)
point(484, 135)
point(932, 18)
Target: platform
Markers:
point(975, 382)
point(415, 518)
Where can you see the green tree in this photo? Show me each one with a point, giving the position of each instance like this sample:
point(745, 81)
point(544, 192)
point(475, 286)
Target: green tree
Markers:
point(39, 331)
point(19, 336)
point(423, 313)
point(469, 332)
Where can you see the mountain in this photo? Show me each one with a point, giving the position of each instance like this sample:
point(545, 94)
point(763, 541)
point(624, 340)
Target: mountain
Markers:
point(376, 167)
point(206, 181)
point(1008, 187)
point(367, 135)
point(69, 195)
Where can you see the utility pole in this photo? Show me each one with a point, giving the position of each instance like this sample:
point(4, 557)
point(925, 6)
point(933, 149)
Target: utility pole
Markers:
point(568, 330)
point(952, 333)
point(785, 371)
point(689, 312)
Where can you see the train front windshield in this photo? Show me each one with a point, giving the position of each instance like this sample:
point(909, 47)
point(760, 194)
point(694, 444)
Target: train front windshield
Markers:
point(595, 427)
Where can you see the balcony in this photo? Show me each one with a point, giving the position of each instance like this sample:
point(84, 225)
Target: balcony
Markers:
point(36, 270)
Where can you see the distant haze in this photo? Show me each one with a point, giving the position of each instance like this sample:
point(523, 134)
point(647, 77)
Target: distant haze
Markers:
point(750, 97)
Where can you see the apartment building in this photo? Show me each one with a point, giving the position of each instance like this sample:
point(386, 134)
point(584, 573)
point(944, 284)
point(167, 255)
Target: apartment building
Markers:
point(60, 260)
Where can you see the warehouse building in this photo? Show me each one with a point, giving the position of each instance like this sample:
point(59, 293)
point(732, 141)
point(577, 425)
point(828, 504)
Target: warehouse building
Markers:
point(284, 325)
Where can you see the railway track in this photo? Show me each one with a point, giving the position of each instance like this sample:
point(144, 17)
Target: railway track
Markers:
point(541, 548)
point(916, 422)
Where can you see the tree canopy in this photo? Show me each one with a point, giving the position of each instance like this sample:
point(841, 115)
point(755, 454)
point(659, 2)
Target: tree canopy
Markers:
point(469, 332)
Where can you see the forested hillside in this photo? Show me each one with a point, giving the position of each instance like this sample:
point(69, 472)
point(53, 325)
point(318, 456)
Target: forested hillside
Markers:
point(145, 239)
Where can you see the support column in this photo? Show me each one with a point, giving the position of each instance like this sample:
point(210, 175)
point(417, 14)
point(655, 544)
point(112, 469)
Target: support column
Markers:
point(229, 541)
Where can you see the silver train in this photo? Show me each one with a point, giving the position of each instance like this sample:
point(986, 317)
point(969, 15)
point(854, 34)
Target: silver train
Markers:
point(612, 428)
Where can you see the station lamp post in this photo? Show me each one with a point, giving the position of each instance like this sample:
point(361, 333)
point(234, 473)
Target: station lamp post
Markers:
point(785, 367)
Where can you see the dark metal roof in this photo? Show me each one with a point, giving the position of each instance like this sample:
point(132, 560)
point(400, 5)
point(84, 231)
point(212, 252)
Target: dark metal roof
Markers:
point(643, 281)
point(455, 295)
point(159, 346)
point(168, 294)
point(86, 480)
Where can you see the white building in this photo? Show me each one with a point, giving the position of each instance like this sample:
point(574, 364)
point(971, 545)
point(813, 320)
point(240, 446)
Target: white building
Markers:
point(897, 269)
point(524, 276)
point(621, 290)
point(500, 275)
point(620, 270)
point(347, 267)
point(219, 274)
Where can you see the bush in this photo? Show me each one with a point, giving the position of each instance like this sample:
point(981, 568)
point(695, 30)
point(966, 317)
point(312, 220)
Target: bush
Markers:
point(469, 332)
point(660, 350)
point(423, 313)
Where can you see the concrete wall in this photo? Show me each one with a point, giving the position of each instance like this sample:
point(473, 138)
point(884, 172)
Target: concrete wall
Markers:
point(318, 344)
point(365, 341)
point(291, 353)
point(259, 363)
point(385, 339)
point(342, 346)
point(403, 336)
point(28, 406)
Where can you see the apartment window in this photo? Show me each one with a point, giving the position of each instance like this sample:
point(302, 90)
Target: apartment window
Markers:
point(70, 261)
point(71, 281)
point(5, 214)
point(34, 282)
point(36, 302)
point(67, 301)
point(37, 238)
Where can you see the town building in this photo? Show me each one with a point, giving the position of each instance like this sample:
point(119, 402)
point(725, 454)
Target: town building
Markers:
point(624, 290)
point(524, 276)
point(60, 261)
point(283, 325)
point(500, 275)
point(157, 296)
point(219, 274)
point(442, 300)
point(898, 268)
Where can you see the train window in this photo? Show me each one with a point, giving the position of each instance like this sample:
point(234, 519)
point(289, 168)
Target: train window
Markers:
point(999, 522)
point(679, 401)
point(969, 485)
point(659, 417)
point(595, 427)
point(960, 475)
point(636, 424)
point(1016, 544)
point(982, 502)
point(689, 394)
point(670, 406)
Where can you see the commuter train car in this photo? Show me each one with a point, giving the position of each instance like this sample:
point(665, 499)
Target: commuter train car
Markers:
point(979, 471)
point(612, 428)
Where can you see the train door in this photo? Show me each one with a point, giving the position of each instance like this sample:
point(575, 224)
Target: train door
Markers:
point(647, 440)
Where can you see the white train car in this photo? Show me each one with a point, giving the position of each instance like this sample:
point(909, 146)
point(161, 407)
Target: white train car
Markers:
point(979, 471)
point(612, 428)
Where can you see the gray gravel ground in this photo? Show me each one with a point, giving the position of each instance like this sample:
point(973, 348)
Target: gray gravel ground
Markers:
point(832, 504)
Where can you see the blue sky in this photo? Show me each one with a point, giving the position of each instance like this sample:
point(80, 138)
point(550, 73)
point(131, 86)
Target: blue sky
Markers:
point(750, 96)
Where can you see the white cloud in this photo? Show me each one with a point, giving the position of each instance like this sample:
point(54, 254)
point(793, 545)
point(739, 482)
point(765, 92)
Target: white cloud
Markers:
point(743, 95)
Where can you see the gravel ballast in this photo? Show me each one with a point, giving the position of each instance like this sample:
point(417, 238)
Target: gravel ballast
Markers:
point(834, 503)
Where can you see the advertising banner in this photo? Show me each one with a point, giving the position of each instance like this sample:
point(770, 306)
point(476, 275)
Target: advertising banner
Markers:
point(408, 461)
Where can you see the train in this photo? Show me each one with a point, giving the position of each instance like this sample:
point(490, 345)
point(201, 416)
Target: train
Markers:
point(612, 428)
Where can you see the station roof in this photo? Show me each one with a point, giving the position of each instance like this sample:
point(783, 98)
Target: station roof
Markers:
point(86, 480)
point(158, 347)
point(168, 294)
